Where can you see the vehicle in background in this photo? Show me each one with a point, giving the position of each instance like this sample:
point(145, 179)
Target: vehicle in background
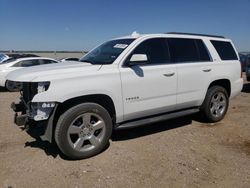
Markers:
point(243, 59)
point(13, 64)
point(69, 59)
point(248, 69)
point(15, 56)
point(3, 57)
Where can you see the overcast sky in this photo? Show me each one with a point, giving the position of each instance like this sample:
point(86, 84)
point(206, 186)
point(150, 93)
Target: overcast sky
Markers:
point(81, 25)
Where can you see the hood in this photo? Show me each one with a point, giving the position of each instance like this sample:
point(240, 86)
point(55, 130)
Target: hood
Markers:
point(52, 70)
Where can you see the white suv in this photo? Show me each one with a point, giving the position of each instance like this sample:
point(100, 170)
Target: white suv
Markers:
point(127, 82)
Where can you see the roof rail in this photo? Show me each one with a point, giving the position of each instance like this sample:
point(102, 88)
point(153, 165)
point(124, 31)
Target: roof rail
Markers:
point(196, 34)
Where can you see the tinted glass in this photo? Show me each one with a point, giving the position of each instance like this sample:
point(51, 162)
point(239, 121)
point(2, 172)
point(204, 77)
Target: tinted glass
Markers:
point(27, 63)
point(3, 57)
point(203, 52)
point(72, 59)
point(156, 50)
point(225, 50)
point(46, 61)
point(183, 50)
point(107, 52)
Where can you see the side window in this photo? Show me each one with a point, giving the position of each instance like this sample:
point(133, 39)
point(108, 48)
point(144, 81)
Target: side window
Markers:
point(46, 61)
point(156, 50)
point(183, 50)
point(27, 63)
point(203, 52)
point(225, 50)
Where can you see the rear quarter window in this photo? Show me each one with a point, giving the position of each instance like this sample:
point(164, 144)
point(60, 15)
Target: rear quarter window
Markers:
point(225, 50)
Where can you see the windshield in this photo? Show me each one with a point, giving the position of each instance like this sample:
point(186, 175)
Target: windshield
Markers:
point(107, 52)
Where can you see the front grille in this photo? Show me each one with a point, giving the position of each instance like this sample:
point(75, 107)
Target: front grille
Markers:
point(29, 90)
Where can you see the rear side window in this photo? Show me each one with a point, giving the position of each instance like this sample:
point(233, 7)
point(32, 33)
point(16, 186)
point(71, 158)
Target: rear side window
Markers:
point(183, 50)
point(46, 61)
point(225, 50)
point(188, 50)
point(156, 50)
point(27, 63)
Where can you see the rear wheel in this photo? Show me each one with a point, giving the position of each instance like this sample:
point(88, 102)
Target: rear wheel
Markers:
point(83, 130)
point(215, 104)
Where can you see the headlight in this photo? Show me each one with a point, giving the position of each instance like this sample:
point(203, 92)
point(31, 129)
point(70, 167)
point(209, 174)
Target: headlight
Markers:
point(41, 110)
point(42, 86)
point(14, 86)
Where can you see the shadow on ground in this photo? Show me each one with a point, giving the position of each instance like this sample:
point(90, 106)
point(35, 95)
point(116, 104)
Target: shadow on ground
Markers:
point(150, 129)
point(246, 88)
point(52, 149)
point(3, 89)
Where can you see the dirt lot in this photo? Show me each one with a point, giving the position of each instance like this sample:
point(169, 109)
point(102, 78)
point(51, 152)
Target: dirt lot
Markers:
point(177, 153)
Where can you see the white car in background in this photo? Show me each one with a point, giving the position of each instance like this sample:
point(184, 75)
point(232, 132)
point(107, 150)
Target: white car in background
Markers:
point(13, 64)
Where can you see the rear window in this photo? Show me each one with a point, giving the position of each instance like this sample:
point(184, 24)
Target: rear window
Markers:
point(225, 50)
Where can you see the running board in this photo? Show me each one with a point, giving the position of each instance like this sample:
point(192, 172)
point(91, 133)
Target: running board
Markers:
point(150, 120)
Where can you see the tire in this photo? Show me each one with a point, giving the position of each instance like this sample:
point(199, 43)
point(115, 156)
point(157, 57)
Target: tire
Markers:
point(214, 109)
point(83, 130)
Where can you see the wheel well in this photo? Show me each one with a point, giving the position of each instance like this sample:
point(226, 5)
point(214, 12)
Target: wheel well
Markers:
point(101, 99)
point(223, 83)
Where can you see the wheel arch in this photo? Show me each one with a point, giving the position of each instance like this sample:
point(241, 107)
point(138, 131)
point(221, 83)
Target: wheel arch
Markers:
point(101, 99)
point(225, 83)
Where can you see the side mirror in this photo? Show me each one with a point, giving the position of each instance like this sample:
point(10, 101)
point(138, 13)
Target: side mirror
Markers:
point(139, 59)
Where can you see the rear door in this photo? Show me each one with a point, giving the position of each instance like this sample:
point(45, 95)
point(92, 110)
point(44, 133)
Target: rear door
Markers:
point(151, 88)
point(194, 67)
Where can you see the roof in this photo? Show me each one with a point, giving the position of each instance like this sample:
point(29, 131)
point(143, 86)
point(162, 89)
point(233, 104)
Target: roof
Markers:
point(136, 35)
point(30, 58)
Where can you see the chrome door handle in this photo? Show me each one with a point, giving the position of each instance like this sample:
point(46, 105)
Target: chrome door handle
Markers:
point(206, 70)
point(169, 74)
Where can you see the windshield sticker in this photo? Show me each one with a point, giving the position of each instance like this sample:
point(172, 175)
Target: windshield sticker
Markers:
point(122, 46)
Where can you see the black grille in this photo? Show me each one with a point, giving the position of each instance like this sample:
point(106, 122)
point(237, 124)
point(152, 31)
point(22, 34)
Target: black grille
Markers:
point(29, 91)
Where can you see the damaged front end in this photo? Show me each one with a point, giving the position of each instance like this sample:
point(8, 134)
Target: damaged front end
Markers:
point(36, 114)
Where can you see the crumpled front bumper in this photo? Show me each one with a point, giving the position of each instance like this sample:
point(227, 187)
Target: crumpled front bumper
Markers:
point(24, 116)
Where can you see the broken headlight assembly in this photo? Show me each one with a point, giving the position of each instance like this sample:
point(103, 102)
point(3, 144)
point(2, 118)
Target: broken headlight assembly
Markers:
point(41, 110)
point(42, 86)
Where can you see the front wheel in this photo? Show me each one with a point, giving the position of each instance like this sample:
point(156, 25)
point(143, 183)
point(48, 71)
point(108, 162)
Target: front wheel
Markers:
point(83, 130)
point(215, 104)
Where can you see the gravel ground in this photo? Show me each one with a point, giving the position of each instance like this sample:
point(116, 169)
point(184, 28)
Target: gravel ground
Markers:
point(179, 153)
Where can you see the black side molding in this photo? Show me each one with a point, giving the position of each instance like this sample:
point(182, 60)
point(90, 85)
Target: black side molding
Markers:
point(150, 120)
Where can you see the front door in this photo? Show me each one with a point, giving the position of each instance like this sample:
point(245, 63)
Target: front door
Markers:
point(151, 88)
